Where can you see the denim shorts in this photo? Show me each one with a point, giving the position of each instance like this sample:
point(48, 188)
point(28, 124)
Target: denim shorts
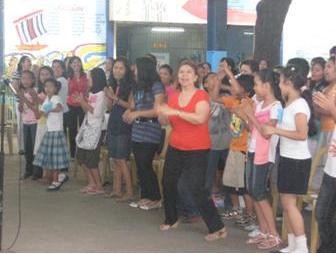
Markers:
point(257, 177)
point(119, 146)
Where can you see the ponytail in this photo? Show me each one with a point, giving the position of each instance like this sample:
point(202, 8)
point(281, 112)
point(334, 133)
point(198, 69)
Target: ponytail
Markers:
point(299, 80)
point(273, 78)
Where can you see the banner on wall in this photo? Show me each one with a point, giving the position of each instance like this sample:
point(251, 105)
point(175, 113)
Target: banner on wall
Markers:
point(240, 12)
point(47, 30)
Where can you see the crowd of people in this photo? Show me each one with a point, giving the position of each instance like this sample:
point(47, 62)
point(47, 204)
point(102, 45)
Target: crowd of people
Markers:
point(232, 133)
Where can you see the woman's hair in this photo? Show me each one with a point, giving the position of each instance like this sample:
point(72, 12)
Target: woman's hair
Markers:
point(301, 64)
point(32, 76)
point(231, 64)
point(56, 84)
point(252, 64)
point(21, 61)
point(62, 64)
point(127, 80)
point(152, 57)
point(273, 78)
point(40, 85)
point(98, 80)
point(168, 68)
point(208, 64)
point(146, 74)
point(71, 71)
point(295, 75)
point(318, 61)
point(246, 81)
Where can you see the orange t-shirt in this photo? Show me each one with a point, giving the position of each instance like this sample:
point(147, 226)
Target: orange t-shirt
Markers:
point(240, 133)
point(185, 135)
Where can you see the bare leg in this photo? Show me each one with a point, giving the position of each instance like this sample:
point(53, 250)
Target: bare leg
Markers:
point(261, 219)
point(116, 179)
point(267, 212)
point(248, 204)
point(126, 175)
point(235, 201)
point(95, 174)
point(294, 216)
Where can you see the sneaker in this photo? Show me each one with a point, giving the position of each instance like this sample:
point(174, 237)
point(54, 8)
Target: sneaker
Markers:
point(254, 233)
point(309, 208)
point(55, 186)
point(63, 178)
point(251, 227)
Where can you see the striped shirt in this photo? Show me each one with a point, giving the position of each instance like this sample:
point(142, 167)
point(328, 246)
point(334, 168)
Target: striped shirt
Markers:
point(147, 132)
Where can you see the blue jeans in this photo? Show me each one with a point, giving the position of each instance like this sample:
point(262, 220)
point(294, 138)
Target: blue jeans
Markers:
point(29, 133)
point(326, 214)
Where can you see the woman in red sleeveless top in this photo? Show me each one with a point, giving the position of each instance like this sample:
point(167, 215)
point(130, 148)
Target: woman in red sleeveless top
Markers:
point(188, 113)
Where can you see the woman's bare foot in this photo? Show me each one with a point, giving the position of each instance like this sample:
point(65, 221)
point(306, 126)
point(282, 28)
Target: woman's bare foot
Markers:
point(220, 234)
point(166, 227)
point(113, 194)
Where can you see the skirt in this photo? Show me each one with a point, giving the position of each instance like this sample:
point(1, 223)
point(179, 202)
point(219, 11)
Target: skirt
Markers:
point(119, 146)
point(89, 158)
point(293, 176)
point(234, 173)
point(53, 152)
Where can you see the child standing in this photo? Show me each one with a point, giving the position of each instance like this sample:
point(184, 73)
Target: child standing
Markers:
point(295, 158)
point(28, 109)
point(44, 73)
point(233, 178)
point(53, 153)
point(261, 160)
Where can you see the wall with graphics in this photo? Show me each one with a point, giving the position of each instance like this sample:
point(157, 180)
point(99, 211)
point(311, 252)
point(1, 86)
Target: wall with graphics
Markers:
point(47, 30)
point(240, 12)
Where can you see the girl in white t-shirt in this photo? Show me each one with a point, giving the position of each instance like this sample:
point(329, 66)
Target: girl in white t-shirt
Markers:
point(53, 153)
point(295, 158)
point(262, 153)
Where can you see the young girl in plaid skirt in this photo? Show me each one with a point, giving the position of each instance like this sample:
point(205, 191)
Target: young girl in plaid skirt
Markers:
point(53, 154)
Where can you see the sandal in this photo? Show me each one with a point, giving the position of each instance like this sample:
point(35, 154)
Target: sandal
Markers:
point(220, 234)
point(112, 195)
point(166, 227)
point(257, 239)
point(86, 189)
point(125, 198)
point(269, 243)
point(151, 205)
point(95, 192)
point(137, 204)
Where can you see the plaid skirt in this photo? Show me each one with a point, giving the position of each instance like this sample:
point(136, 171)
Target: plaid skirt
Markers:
point(53, 152)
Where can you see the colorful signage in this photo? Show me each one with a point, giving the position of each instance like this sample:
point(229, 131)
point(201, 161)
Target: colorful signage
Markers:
point(48, 30)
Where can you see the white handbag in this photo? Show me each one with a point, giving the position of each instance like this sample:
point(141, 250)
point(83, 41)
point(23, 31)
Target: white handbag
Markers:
point(88, 135)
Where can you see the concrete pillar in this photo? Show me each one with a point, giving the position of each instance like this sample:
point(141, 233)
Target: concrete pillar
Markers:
point(109, 32)
point(217, 32)
point(2, 42)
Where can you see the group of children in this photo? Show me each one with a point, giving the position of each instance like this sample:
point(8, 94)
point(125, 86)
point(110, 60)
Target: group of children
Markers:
point(260, 123)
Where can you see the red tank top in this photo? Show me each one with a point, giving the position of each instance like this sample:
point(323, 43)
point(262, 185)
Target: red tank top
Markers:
point(185, 135)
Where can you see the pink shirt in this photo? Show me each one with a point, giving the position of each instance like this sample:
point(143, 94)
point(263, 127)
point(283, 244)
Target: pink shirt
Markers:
point(28, 115)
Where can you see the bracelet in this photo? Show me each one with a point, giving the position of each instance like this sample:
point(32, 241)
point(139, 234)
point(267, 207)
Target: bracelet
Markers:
point(178, 113)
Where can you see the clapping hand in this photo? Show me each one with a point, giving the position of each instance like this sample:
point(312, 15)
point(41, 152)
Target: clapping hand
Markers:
point(332, 149)
point(165, 110)
point(129, 116)
point(325, 102)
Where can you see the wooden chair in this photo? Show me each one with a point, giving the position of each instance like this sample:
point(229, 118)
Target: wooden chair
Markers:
point(159, 161)
point(310, 198)
point(9, 126)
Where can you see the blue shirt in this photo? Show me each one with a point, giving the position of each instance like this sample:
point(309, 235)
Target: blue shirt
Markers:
point(147, 132)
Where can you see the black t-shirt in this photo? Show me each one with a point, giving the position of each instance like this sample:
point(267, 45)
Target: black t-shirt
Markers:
point(116, 125)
